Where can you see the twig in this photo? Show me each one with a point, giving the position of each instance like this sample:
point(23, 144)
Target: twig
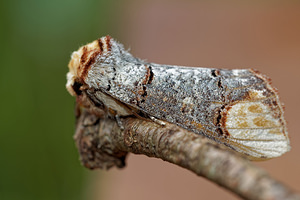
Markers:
point(102, 144)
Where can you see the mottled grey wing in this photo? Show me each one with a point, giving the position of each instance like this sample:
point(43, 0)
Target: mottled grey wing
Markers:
point(234, 107)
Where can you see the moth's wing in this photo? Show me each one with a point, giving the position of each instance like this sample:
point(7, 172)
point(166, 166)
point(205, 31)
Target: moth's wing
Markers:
point(255, 124)
point(255, 130)
point(251, 118)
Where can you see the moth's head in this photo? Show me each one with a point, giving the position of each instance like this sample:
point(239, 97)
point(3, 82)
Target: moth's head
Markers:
point(82, 60)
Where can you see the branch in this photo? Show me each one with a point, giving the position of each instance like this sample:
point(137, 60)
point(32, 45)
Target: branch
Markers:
point(102, 144)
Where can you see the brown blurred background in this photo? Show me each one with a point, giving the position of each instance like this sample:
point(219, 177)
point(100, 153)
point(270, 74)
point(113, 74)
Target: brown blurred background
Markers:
point(37, 153)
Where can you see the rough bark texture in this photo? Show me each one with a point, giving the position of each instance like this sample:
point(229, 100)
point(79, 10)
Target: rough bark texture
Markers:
point(102, 144)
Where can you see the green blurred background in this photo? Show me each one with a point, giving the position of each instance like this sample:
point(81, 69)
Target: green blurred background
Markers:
point(38, 156)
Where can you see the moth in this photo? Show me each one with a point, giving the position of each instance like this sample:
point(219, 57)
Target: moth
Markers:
point(238, 108)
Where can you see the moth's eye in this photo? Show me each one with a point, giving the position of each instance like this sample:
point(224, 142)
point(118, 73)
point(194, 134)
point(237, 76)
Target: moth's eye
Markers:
point(76, 87)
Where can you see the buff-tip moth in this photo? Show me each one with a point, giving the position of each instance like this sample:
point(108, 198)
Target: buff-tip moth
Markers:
point(238, 108)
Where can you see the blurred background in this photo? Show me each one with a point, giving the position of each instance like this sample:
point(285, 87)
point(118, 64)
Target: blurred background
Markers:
point(37, 153)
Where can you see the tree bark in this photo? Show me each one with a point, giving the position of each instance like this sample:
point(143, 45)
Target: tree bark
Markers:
point(102, 144)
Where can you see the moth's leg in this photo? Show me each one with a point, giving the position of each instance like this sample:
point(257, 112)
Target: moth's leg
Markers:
point(119, 122)
point(152, 119)
point(159, 122)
